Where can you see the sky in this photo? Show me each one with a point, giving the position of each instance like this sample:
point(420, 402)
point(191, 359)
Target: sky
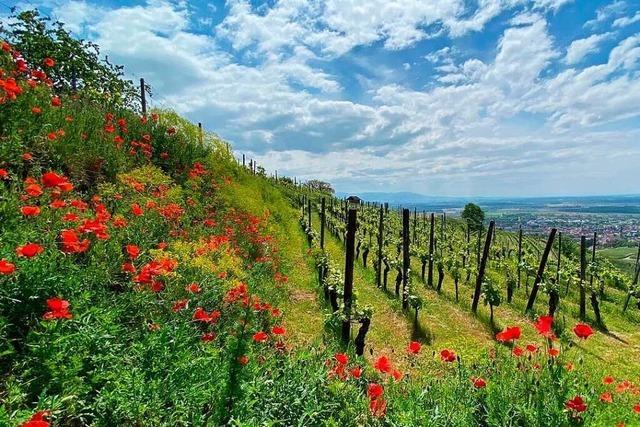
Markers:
point(439, 97)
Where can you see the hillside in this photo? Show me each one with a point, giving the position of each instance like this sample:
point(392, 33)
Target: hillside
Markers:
point(149, 279)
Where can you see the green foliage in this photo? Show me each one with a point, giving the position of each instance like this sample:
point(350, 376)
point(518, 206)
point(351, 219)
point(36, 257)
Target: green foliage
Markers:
point(473, 215)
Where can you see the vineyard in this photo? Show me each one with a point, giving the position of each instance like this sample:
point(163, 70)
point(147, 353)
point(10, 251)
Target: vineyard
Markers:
point(149, 277)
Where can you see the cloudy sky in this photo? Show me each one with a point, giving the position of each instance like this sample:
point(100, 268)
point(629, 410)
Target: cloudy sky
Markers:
point(440, 97)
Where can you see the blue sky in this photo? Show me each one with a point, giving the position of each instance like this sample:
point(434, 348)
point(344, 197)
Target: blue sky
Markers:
point(440, 97)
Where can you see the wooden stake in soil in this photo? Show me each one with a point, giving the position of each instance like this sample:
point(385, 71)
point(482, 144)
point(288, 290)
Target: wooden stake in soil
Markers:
point(519, 256)
point(405, 257)
point(431, 248)
point(143, 97)
point(348, 273)
point(635, 279)
point(481, 267)
point(583, 270)
point(543, 263)
point(322, 221)
point(380, 242)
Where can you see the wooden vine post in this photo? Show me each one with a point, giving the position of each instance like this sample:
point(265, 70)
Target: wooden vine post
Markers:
point(348, 273)
point(143, 97)
point(541, 267)
point(380, 242)
point(405, 257)
point(481, 268)
point(583, 270)
point(559, 255)
point(431, 248)
point(309, 210)
point(519, 256)
point(322, 221)
point(415, 224)
point(595, 304)
point(200, 134)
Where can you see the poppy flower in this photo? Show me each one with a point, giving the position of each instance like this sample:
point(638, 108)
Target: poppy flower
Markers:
point(479, 382)
point(29, 250)
point(193, 288)
point(636, 408)
point(374, 391)
point(383, 364)
point(576, 404)
point(27, 157)
point(554, 352)
point(606, 397)
point(57, 204)
point(36, 110)
point(4, 174)
point(356, 372)
point(531, 348)
point(397, 375)
point(260, 336)
point(58, 309)
point(607, 380)
point(136, 209)
point(56, 102)
point(414, 347)
point(543, 326)
point(6, 267)
point(278, 330)
point(30, 210)
point(49, 62)
point(127, 267)
point(341, 358)
point(33, 190)
point(180, 305)
point(200, 315)
point(243, 360)
point(208, 337)
point(378, 407)
point(582, 331)
point(71, 243)
point(133, 251)
point(517, 351)
point(37, 420)
point(510, 333)
point(447, 355)
point(51, 136)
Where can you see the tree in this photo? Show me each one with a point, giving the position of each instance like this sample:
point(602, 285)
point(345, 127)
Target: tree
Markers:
point(321, 186)
point(474, 216)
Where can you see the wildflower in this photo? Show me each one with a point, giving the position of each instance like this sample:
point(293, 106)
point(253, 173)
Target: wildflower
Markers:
point(56, 102)
point(636, 408)
point(397, 375)
point(479, 382)
point(447, 355)
point(180, 305)
point(4, 174)
point(30, 210)
point(377, 404)
point(27, 157)
point(136, 209)
point(243, 360)
point(33, 190)
point(414, 347)
point(193, 288)
point(383, 364)
point(36, 110)
point(49, 62)
point(606, 397)
point(133, 251)
point(58, 309)
point(71, 243)
point(510, 333)
point(531, 348)
point(607, 380)
point(543, 326)
point(582, 331)
point(576, 404)
point(6, 267)
point(341, 358)
point(554, 352)
point(260, 336)
point(208, 337)
point(37, 420)
point(29, 250)
point(356, 372)
point(374, 391)
point(200, 315)
point(278, 330)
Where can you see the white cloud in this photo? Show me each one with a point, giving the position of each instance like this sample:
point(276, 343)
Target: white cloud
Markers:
point(627, 20)
point(579, 49)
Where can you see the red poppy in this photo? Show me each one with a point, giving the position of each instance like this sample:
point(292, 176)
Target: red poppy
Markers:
point(636, 408)
point(193, 288)
point(606, 397)
point(576, 404)
point(243, 360)
point(543, 326)
point(56, 102)
point(71, 243)
point(180, 305)
point(136, 209)
point(49, 62)
point(37, 420)
point(33, 190)
point(36, 110)
point(554, 352)
point(57, 204)
point(30, 210)
point(29, 250)
point(6, 267)
point(479, 382)
point(511, 333)
point(133, 251)
point(356, 372)
point(208, 337)
point(378, 407)
point(447, 355)
point(278, 330)
point(200, 315)
point(58, 309)
point(517, 351)
point(383, 364)
point(341, 358)
point(27, 157)
point(414, 347)
point(127, 267)
point(4, 174)
point(374, 391)
point(583, 331)
point(260, 336)
point(531, 348)
point(397, 375)
point(607, 380)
